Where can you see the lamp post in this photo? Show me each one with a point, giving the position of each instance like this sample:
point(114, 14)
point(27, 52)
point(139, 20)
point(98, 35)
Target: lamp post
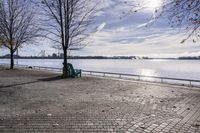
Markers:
point(17, 56)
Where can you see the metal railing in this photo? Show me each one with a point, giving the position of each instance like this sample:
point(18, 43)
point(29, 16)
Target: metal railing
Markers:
point(189, 82)
point(35, 67)
point(177, 81)
point(46, 68)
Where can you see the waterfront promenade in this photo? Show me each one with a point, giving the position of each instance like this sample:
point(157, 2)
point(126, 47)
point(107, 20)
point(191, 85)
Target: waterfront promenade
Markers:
point(41, 102)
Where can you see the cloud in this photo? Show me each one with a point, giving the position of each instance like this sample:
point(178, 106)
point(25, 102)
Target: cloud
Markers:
point(116, 33)
point(145, 24)
point(100, 27)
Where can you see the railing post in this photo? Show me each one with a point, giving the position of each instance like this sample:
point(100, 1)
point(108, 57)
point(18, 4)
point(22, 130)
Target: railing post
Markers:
point(139, 77)
point(190, 83)
point(161, 80)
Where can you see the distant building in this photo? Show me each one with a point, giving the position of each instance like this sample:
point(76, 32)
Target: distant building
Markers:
point(54, 55)
point(61, 55)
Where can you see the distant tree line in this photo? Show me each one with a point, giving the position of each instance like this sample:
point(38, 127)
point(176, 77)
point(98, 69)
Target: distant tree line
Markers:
point(190, 58)
point(69, 57)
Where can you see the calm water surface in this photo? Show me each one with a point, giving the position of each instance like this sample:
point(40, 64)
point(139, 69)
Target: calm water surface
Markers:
point(189, 69)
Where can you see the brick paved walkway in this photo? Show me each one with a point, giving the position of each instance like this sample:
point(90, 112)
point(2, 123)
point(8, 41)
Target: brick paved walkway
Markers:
point(39, 102)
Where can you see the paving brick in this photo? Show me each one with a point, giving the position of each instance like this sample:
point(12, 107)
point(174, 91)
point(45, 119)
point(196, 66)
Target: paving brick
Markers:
point(32, 103)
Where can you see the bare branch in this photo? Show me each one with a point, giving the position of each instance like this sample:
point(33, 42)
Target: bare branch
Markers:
point(18, 24)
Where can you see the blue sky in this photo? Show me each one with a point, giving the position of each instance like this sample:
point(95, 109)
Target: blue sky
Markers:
point(117, 33)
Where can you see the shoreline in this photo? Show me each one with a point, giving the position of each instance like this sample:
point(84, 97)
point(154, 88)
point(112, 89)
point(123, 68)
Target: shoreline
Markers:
point(120, 76)
point(164, 84)
point(39, 58)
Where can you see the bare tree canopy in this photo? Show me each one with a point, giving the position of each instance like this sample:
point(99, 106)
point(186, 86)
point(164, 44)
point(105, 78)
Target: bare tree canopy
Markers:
point(185, 14)
point(17, 25)
point(73, 18)
point(66, 22)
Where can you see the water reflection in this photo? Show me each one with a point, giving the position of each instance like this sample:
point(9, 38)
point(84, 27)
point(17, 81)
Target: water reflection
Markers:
point(148, 72)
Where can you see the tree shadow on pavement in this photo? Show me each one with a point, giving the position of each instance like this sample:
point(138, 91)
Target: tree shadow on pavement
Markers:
point(10, 89)
point(51, 78)
point(17, 84)
point(32, 82)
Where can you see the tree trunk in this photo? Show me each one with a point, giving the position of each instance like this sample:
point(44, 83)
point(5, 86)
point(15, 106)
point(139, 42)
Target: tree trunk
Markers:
point(65, 68)
point(11, 58)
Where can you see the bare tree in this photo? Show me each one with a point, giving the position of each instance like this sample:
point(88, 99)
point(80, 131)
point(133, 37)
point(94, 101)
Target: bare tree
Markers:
point(17, 25)
point(184, 14)
point(66, 22)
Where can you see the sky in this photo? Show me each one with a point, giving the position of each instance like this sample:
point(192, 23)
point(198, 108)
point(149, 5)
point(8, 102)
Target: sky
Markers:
point(121, 32)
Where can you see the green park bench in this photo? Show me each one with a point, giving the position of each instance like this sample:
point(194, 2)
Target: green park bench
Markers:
point(73, 72)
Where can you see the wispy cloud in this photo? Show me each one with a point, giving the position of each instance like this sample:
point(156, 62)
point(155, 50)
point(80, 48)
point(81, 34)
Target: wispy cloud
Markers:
point(100, 27)
point(145, 24)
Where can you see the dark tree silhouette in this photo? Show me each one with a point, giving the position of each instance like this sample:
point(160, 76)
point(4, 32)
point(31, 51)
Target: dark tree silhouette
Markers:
point(17, 25)
point(184, 14)
point(66, 22)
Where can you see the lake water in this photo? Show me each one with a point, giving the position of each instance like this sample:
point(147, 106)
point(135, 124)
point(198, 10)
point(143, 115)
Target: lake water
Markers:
point(189, 69)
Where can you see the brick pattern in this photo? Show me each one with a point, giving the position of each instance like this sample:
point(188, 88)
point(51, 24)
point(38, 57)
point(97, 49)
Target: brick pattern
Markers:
point(88, 105)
